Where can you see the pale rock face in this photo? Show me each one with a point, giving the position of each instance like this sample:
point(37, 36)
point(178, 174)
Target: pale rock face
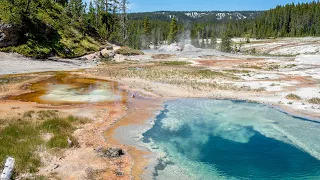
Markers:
point(214, 15)
point(9, 35)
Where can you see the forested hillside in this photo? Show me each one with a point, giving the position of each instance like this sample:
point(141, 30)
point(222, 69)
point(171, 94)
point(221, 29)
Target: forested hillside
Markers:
point(64, 28)
point(195, 16)
point(292, 20)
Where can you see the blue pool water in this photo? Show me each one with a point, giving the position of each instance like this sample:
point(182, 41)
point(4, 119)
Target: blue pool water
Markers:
point(221, 139)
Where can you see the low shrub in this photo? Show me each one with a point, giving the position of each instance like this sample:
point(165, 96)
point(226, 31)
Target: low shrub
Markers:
point(129, 51)
point(293, 97)
point(314, 101)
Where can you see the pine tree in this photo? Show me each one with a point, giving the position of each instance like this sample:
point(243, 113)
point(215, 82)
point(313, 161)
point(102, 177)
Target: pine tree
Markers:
point(213, 42)
point(92, 15)
point(146, 26)
point(76, 9)
point(226, 43)
point(173, 32)
point(123, 21)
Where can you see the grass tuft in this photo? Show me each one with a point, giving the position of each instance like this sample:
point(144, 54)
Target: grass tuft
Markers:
point(237, 71)
point(57, 126)
point(49, 114)
point(175, 63)
point(28, 114)
point(293, 97)
point(314, 100)
point(58, 141)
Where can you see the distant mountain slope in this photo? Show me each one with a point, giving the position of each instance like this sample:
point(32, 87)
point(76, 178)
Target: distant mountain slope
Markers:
point(196, 16)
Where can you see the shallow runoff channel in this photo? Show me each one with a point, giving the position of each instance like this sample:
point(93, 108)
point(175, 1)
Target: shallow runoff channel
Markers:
point(224, 139)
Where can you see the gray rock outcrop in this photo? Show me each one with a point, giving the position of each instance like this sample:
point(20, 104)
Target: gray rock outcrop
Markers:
point(9, 35)
point(109, 54)
point(111, 152)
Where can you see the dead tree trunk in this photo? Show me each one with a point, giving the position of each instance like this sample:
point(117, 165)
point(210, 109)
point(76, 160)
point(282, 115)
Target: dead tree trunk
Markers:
point(124, 19)
point(8, 169)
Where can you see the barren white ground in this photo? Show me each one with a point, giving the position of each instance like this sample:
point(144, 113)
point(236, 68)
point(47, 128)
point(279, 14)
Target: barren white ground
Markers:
point(11, 63)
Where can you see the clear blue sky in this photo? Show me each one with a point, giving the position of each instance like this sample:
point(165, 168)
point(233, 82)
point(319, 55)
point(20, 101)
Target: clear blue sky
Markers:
point(206, 5)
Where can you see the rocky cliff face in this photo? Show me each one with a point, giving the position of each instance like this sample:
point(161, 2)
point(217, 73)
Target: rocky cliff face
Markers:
point(9, 35)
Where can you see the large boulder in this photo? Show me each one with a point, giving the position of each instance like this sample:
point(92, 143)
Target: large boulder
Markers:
point(107, 53)
point(9, 35)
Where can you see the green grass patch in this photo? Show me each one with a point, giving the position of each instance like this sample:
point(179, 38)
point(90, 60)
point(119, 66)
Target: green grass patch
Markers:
point(174, 63)
point(58, 141)
point(207, 73)
point(57, 126)
point(62, 129)
point(20, 138)
point(126, 51)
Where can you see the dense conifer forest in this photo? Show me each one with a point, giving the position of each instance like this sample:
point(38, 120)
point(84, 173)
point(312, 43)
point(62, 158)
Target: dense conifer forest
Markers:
point(291, 20)
point(74, 28)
